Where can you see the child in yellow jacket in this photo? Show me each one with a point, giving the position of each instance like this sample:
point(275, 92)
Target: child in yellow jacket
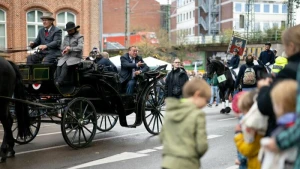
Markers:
point(247, 140)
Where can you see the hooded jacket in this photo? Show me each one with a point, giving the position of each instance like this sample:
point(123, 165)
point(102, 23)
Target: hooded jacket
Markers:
point(183, 135)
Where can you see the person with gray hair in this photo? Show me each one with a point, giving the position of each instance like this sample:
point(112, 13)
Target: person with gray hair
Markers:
point(48, 42)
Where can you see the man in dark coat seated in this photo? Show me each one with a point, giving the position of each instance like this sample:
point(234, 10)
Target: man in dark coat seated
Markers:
point(103, 62)
point(48, 41)
point(131, 66)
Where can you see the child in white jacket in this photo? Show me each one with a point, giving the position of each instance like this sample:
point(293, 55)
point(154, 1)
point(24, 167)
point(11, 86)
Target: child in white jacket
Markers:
point(283, 97)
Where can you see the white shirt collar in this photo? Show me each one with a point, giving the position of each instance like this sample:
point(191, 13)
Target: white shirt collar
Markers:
point(48, 29)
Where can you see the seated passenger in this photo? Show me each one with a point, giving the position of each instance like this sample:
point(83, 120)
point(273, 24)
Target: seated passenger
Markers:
point(131, 66)
point(72, 48)
point(48, 41)
point(106, 63)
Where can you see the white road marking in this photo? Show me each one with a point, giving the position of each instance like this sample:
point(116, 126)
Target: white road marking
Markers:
point(227, 119)
point(158, 148)
point(146, 151)
point(233, 167)
point(118, 157)
point(213, 136)
point(125, 156)
point(47, 134)
point(55, 147)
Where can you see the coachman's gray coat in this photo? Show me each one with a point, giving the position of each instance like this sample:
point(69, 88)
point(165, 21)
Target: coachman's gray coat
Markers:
point(75, 54)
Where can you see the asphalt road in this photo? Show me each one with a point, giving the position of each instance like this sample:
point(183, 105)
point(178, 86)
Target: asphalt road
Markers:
point(120, 148)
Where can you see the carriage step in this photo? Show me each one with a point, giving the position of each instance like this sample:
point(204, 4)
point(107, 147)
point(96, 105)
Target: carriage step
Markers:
point(131, 126)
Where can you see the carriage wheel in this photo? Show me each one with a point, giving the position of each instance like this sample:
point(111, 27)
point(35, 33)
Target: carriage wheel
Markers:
point(106, 122)
point(79, 123)
point(152, 116)
point(34, 127)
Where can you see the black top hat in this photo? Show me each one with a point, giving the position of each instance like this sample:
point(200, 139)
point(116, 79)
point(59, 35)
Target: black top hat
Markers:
point(70, 26)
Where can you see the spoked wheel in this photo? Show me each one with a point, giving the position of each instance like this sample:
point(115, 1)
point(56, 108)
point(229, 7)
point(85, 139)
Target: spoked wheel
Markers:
point(106, 122)
point(34, 127)
point(154, 101)
point(79, 123)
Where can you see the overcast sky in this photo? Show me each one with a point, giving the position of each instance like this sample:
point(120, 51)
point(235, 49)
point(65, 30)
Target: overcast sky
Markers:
point(163, 1)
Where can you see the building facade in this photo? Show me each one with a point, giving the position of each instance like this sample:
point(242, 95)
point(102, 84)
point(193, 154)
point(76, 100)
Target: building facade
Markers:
point(144, 16)
point(201, 21)
point(20, 21)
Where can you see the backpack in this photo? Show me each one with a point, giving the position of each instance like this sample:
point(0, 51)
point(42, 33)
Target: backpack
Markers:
point(249, 76)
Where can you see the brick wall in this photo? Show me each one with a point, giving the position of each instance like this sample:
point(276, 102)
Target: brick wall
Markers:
point(145, 15)
point(86, 12)
point(226, 14)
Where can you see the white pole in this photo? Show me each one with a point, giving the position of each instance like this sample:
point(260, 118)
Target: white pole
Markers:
point(196, 69)
point(101, 25)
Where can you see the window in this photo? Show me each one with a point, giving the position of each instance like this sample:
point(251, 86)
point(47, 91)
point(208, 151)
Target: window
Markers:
point(256, 7)
point(237, 25)
point(275, 9)
point(266, 8)
point(34, 23)
point(191, 15)
point(2, 29)
point(257, 26)
point(275, 25)
point(183, 17)
point(266, 26)
point(238, 7)
point(63, 18)
point(284, 8)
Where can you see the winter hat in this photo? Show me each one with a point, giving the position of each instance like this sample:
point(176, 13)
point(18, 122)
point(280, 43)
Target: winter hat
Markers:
point(235, 102)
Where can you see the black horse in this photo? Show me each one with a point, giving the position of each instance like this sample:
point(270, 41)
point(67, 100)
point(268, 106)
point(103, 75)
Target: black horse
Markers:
point(226, 87)
point(11, 86)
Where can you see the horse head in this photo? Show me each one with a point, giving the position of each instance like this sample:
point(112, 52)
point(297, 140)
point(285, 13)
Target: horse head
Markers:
point(213, 66)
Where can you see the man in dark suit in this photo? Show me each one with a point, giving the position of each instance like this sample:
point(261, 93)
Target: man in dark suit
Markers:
point(48, 41)
point(131, 66)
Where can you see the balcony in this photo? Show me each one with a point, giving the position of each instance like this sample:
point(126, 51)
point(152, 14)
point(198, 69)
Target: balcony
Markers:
point(203, 5)
point(214, 28)
point(203, 22)
point(215, 12)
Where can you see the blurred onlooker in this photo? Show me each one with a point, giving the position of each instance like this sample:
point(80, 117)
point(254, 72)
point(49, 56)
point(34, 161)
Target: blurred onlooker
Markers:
point(284, 95)
point(247, 76)
point(105, 55)
point(291, 42)
point(175, 80)
point(105, 63)
point(247, 139)
point(183, 134)
point(279, 64)
point(214, 91)
point(275, 53)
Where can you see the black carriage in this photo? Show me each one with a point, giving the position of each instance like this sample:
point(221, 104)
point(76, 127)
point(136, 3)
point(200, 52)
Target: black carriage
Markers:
point(91, 99)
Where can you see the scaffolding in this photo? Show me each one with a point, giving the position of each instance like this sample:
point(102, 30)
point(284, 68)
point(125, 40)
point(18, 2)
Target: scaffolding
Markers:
point(209, 18)
point(291, 13)
point(250, 17)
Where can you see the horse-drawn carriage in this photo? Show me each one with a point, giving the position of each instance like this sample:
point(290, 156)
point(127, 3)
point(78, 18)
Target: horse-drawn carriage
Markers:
point(91, 99)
